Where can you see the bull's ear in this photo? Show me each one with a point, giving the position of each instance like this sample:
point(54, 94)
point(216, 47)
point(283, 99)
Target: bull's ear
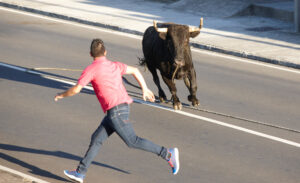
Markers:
point(163, 35)
point(194, 34)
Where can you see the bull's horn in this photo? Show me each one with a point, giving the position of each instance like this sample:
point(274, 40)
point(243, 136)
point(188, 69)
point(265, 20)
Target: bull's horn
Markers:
point(201, 23)
point(193, 29)
point(159, 29)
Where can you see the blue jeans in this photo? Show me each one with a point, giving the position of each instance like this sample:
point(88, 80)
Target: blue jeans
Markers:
point(117, 120)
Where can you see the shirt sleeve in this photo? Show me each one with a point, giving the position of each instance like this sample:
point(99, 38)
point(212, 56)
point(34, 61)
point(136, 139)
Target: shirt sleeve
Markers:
point(86, 77)
point(122, 67)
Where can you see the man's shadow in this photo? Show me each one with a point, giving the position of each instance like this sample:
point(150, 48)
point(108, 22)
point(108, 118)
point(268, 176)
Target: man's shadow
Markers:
point(40, 78)
point(38, 171)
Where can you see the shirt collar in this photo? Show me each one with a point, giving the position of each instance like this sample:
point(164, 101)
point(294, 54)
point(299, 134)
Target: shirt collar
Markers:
point(99, 59)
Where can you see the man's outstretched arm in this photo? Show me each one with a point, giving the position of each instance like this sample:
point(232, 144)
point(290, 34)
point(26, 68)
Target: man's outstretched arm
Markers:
point(147, 94)
point(70, 92)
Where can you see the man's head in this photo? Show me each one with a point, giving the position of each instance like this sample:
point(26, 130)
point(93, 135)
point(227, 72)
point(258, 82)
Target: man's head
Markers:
point(97, 48)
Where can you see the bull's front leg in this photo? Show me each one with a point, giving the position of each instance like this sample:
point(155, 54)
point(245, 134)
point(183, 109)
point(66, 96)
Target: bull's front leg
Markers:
point(171, 85)
point(191, 83)
point(161, 93)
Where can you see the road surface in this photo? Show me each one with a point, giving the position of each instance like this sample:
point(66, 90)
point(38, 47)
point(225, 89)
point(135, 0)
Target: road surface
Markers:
point(41, 137)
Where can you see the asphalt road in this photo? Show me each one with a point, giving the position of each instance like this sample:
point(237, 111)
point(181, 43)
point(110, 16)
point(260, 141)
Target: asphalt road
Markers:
point(42, 138)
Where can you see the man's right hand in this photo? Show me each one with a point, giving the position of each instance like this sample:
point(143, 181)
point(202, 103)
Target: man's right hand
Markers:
point(148, 94)
point(58, 96)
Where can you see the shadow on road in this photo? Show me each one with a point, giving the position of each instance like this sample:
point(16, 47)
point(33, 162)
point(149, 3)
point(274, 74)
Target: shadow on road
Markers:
point(41, 80)
point(38, 171)
point(33, 169)
point(26, 77)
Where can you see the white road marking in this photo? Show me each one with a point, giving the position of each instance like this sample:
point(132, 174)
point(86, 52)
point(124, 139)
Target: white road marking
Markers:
point(274, 138)
point(140, 38)
point(222, 123)
point(27, 178)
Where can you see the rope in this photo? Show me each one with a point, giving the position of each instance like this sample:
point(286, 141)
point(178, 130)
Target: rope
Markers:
point(59, 69)
point(186, 106)
point(177, 67)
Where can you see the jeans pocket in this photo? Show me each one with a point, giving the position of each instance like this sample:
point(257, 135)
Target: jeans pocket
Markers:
point(119, 121)
point(123, 116)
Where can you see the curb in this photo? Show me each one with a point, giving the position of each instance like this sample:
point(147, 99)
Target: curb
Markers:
point(258, 9)
point(26, 178)
point(193, 44)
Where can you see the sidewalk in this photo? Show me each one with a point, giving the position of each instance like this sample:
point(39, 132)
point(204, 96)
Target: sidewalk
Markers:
point(258, 38)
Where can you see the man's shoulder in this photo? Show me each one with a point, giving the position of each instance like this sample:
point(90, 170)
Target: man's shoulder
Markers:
point(90, 68)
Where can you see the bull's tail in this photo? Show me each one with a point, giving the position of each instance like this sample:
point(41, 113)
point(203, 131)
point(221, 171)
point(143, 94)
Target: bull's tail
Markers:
point(142, 61)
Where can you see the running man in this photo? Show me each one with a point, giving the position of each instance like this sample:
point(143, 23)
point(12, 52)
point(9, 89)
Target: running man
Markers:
point(106, 79)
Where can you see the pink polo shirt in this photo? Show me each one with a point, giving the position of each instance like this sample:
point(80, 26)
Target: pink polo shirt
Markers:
point(106, 78)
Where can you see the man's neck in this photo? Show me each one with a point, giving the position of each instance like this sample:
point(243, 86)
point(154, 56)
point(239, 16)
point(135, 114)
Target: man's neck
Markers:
point(97, 58)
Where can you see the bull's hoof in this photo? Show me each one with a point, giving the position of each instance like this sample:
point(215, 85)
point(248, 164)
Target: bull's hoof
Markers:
point(177, 106)
point(162, 99)
point(194, 100)
point(195, 103)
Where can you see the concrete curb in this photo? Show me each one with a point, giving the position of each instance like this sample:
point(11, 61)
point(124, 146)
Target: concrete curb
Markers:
point(213, 48)
point(263, 11)
point(26, 178)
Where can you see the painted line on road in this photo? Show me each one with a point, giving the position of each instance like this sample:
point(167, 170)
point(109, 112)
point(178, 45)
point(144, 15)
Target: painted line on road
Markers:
point(245, 60)
point(25, 177)
point(292, 143)
point(274, 138)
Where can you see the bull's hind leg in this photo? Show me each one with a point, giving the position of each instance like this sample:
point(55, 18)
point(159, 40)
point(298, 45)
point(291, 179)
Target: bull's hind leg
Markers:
point(171, 85)
point(161, 93)
point(190, 82)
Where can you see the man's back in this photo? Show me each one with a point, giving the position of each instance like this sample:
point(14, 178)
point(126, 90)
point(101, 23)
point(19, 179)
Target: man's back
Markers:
point(106, 78)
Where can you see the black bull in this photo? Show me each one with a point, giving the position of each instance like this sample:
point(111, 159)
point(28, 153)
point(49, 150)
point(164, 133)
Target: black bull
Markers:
point(167, 49)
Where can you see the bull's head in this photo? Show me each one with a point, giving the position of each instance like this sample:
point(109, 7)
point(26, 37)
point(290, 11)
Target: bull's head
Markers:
point(177, 39)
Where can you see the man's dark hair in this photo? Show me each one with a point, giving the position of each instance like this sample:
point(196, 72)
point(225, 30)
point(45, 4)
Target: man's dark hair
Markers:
point(97, 48)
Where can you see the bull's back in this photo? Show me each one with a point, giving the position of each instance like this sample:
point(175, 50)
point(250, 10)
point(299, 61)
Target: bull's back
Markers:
point(149, 41)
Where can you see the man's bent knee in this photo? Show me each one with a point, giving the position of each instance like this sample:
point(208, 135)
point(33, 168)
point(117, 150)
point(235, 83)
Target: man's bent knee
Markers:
point(132, 142)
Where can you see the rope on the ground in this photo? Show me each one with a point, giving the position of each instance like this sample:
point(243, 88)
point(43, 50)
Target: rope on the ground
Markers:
point(58, 69)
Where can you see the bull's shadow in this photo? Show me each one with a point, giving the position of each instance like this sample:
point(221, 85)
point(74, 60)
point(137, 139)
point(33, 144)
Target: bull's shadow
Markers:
point(38, 171)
